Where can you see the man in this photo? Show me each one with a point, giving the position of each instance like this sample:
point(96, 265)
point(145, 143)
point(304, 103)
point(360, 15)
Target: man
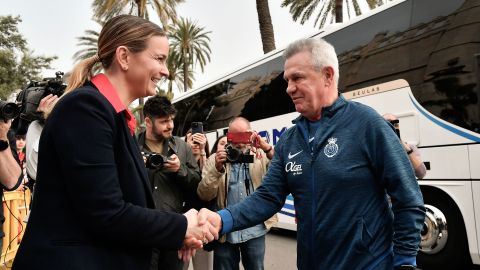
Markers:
point(411, 150)
point(174, 179)
point(10, 171)
point(339, 161)
point(230, 183)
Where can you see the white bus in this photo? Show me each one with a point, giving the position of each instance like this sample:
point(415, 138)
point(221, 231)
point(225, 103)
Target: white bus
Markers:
point(417, 59)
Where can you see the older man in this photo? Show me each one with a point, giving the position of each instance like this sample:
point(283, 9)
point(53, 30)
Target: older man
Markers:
point(339, 161)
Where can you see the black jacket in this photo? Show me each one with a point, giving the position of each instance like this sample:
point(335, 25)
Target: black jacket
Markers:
point(92, 197)
point(172, 191)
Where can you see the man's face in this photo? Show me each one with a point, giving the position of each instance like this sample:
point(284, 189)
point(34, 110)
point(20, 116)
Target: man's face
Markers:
point(161, 128)
point(236, 127)
point(306, 86)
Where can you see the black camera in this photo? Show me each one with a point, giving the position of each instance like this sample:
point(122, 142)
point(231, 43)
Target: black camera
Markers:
point(8, 110)
point(30, 98)
point(154, 160)
point(235, 155)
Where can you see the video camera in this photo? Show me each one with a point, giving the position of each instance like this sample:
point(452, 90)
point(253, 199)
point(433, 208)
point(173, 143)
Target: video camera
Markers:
point(8, 110)
point(30, 97)
point(235, 155)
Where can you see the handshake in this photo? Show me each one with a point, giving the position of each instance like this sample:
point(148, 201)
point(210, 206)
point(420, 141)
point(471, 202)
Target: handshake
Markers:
point(203, 227)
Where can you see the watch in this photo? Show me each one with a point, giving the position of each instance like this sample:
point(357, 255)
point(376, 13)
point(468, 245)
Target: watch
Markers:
point(3, 145)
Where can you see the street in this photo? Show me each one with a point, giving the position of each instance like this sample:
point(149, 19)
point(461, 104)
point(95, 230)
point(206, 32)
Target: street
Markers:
point(281, 251)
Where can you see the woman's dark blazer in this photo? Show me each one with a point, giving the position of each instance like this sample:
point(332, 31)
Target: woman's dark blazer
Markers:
point(93, 206)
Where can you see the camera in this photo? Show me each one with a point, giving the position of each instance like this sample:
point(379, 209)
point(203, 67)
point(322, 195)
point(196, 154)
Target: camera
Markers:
point(154, 160)
point(235, 155)
point(30, 97)
point(8, 110)
point(239, 137)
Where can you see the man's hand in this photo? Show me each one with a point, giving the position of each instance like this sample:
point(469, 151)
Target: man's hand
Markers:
point(259, 142)
point(47, 103)
point(206, 216)
point(203, 233)
point(220, 159)
point(4, 127)
point(172, 164)
point(196, 235)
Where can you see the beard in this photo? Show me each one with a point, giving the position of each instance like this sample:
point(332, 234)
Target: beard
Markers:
point(163, 136)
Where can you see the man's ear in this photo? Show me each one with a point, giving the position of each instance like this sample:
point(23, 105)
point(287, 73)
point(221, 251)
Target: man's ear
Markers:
point(148, 122)
point(329, 74)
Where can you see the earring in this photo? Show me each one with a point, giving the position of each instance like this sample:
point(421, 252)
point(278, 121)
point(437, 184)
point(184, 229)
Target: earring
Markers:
point(125, 68)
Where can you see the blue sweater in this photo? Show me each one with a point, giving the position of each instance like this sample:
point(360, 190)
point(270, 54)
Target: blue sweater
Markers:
point(340, 188)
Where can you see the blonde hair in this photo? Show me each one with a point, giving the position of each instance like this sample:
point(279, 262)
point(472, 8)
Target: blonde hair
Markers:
point(125, 30)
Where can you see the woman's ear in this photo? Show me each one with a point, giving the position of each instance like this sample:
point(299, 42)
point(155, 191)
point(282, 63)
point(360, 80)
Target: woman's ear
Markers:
point(121, 55)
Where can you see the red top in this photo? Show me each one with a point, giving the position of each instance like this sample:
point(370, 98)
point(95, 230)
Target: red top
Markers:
point(106, 88)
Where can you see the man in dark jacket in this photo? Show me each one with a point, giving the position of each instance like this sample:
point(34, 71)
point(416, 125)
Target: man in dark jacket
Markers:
point(339, 161)
point(174, 175)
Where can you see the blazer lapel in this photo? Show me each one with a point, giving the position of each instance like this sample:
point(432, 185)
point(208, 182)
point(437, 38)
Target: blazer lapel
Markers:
point(139, 164)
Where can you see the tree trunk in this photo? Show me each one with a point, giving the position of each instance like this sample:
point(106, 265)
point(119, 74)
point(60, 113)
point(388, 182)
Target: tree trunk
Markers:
point(266, 27)
point(140, 100)
point(185, 71)
point(338, 11)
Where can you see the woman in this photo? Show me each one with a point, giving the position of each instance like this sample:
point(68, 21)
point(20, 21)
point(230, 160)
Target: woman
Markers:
point(199, 144)
point(93, 207)
point(203, 259)
point(219, 143)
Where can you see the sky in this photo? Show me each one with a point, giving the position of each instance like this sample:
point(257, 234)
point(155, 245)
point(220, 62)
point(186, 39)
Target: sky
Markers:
point(51, 27)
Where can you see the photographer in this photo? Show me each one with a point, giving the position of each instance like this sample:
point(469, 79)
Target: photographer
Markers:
point(33, 137)
point(412, 151)
point(173, 171)
point(231, 175)
point(10, 171)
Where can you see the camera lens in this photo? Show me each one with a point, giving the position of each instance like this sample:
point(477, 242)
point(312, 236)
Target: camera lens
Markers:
point(156, 161)
point(232, 153)
point(9, 110)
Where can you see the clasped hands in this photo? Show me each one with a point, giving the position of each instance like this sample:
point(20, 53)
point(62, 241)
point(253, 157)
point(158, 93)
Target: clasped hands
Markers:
point(203, 226)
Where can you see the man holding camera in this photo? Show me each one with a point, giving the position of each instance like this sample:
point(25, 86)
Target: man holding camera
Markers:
point(172, 169)
point(10, 171)
point(231, 175)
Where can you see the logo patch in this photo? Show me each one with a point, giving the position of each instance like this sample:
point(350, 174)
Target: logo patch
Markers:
point(293, 167)
point(290, 156)
point(331, 148)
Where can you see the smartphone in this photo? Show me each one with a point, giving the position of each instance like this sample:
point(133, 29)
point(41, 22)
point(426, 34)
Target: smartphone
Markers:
point(197, 127)
point(239, 137)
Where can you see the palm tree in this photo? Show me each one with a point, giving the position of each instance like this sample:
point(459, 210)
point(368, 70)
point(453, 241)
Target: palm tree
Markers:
point(305, 9)
point(166, 11)
point(176, 76)
point(191, 43)
point(89, 42)
point(266, 27)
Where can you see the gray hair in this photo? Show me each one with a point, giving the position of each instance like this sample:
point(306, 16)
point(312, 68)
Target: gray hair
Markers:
point(323, 54)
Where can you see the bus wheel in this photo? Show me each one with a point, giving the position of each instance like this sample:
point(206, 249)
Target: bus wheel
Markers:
point(444, 240)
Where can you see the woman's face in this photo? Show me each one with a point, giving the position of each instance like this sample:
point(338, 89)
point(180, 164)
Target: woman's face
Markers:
point(20, 143)
point(221, 143)
point(147, 68)
point(195, 147)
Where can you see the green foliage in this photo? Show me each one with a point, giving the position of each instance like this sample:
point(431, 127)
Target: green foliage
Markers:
point(18, 65)
point(190, 44)
point(165, 9)
point(303, 10)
